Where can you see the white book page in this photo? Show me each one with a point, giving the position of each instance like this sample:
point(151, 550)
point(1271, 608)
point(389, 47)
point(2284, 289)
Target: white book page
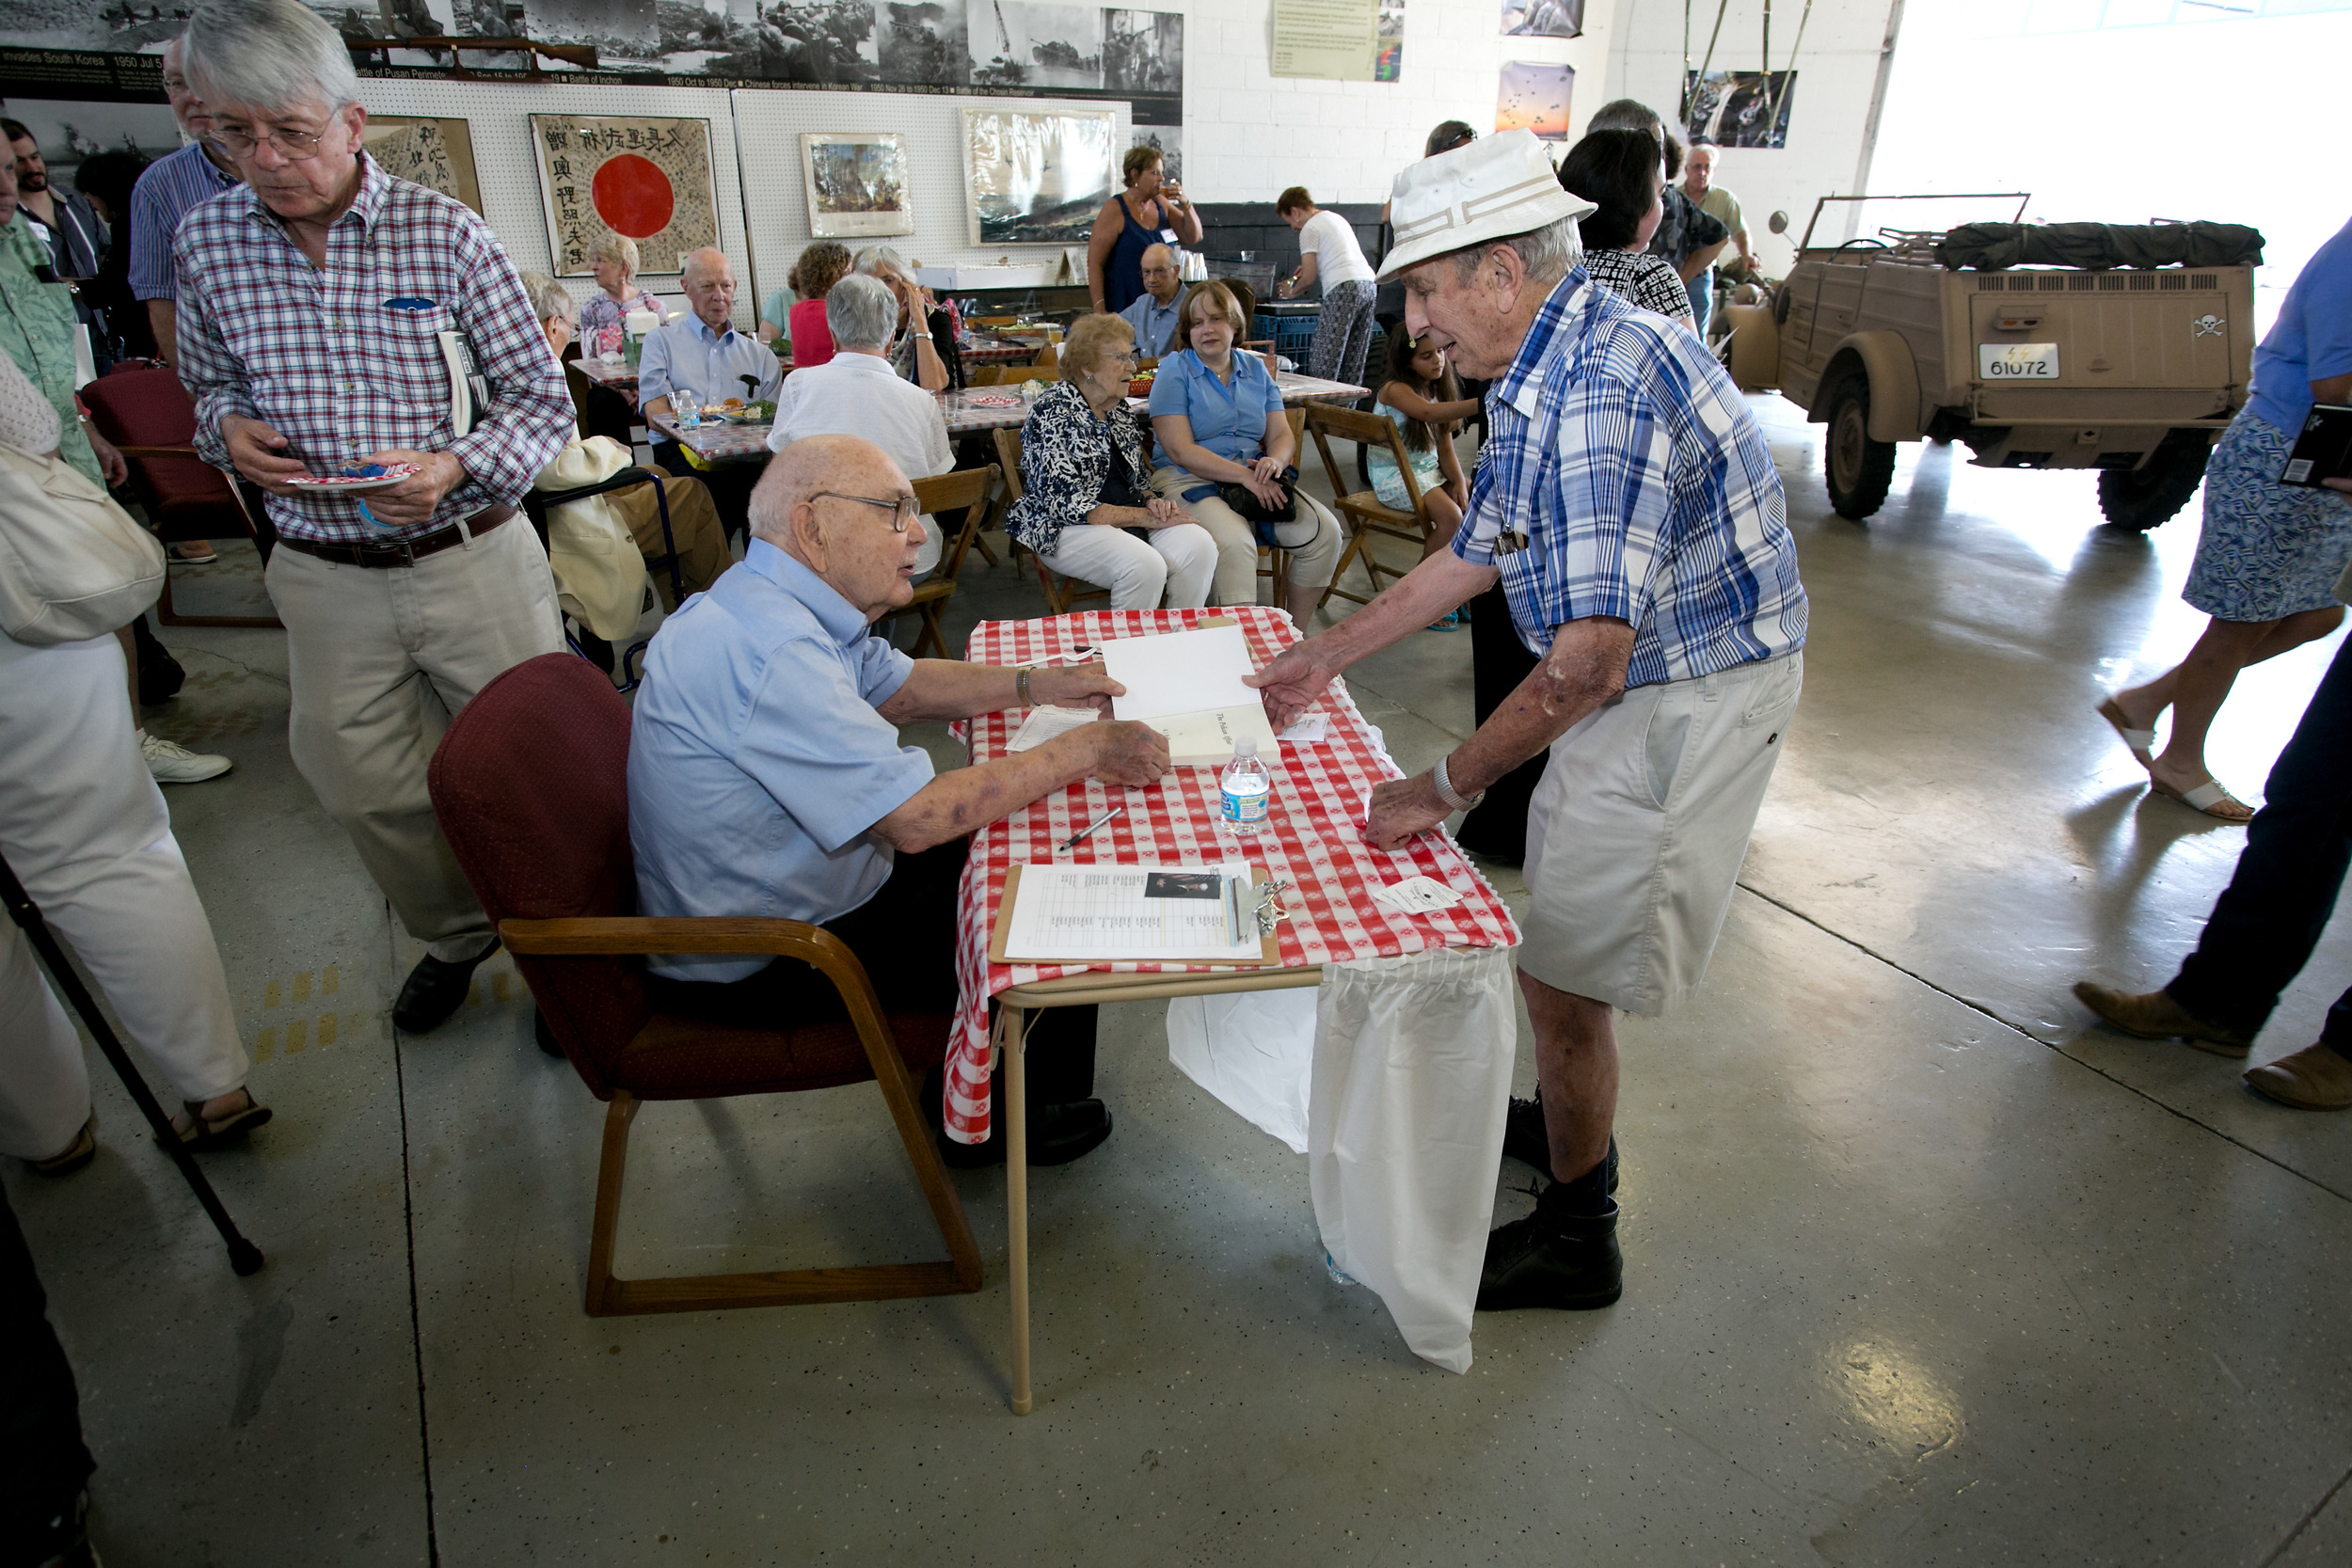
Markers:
point(1047, 723)
point(1183, 672)
point(1106, 913)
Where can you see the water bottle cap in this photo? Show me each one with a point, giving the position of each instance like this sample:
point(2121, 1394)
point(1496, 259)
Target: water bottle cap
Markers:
point(1246, 747)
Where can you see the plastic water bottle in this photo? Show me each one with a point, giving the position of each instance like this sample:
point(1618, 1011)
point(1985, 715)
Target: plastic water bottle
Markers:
point(1246, 789)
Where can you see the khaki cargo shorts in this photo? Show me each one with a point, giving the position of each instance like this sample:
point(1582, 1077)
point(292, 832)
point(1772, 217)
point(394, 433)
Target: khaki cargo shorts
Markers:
point(1636, 834)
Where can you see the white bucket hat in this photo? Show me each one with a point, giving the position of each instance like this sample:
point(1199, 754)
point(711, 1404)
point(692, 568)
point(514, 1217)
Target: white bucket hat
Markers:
point(1501, 186)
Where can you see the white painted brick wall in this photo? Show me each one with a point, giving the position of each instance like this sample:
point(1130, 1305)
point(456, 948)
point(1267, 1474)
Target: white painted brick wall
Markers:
point(1247, 135)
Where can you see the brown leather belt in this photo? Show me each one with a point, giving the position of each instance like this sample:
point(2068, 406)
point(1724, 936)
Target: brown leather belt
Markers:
point(400, 552)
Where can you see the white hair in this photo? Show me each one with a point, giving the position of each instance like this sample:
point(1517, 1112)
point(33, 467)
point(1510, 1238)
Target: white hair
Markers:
point(272, 55)
point(861, 313)
point(874, 257)
point(550, 300)
point(616, 247)
point(1547, 253)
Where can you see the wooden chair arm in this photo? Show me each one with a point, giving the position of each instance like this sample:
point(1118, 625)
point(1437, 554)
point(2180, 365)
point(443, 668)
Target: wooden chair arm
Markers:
point(158, 451)
point(621, 936)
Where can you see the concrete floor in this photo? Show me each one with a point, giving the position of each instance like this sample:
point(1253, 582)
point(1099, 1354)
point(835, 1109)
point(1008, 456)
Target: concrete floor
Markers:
point(1920, 1267)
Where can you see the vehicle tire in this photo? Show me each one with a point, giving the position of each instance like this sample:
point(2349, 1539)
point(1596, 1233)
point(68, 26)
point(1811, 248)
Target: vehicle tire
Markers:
point(2144, 497)
point(1859, 469)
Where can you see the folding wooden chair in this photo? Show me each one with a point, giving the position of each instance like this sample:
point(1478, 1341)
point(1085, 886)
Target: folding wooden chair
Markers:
point(975, 490)
point(1059, 594)
point(1367, 515)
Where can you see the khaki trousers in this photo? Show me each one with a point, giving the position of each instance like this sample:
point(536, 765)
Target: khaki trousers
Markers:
point(379, 660)
point(1236, 583)
point(702, 540)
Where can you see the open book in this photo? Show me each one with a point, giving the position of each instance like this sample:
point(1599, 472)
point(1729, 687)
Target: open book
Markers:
point(1187, 685)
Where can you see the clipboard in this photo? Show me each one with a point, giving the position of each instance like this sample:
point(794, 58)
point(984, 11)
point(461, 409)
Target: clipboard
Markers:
point(1270, 943)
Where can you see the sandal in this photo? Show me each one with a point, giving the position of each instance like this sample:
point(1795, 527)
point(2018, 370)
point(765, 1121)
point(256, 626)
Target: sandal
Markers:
point(2210, 798)
point(78, 1153)
point(2142, 742)
point(196, 1134)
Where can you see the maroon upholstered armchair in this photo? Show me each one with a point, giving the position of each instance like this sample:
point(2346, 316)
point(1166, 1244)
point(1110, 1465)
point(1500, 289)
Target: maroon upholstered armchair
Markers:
point(149, 417)
point(531, 785)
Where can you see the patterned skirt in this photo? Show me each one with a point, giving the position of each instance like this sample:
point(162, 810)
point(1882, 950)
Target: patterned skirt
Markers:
point(2268, 550)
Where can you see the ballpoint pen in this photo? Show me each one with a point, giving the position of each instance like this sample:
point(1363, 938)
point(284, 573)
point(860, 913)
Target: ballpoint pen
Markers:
point(1082, 833)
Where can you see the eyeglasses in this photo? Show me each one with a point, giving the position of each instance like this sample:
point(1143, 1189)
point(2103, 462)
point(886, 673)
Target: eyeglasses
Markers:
point(903, 509)
point(295, 146)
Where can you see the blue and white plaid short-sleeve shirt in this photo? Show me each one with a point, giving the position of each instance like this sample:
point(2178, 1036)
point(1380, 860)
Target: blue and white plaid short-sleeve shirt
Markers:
point(1625, 456)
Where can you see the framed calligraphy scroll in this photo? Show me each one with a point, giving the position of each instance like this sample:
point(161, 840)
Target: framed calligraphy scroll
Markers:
point(649, 179)
point(435, 154)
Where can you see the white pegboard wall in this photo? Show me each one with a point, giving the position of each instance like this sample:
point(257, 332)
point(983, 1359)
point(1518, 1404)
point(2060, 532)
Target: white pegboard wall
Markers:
point(933, 127)
point(498, 115)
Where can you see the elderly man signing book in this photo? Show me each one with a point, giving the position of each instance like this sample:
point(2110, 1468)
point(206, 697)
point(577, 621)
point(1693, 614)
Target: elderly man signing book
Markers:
point(766, 775)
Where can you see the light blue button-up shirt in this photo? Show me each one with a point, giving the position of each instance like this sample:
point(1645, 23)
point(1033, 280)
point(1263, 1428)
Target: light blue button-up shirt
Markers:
point(688, 354)
point(1154, 323)
point(1228, 419)
point(757, 761)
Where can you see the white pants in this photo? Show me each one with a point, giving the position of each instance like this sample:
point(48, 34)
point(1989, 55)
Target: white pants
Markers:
point(380, 658)
point(1312, 564)
point(1177, 560)
point(83, 827)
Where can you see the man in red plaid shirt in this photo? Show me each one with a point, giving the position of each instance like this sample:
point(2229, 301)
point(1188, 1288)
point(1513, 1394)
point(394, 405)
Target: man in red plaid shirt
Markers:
point(314, 306)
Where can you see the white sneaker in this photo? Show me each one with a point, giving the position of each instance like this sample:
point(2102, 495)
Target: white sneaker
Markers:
point(173, 763)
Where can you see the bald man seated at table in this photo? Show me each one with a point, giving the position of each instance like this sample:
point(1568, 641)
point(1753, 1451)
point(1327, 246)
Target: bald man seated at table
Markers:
point(766, 776)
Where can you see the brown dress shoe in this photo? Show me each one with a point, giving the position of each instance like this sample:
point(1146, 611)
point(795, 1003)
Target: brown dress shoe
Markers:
point(2315, 1078)
point(2156, 1017)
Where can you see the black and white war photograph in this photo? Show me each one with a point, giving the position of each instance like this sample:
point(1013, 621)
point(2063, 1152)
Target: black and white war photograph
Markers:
point(922, 40)
point(1166, 140)
point(1017, 44)
point(1143, 51)
point(1037, 178)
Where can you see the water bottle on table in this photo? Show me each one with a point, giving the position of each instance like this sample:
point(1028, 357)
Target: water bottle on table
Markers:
point(1245, 788)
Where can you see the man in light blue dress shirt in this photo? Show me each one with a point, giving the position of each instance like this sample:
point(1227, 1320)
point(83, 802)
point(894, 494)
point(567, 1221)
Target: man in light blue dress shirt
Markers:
point(704, 354)
point(1154, 313)
point(766, 776)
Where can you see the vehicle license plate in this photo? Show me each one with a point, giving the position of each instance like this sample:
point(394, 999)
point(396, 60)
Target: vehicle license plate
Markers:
point(2017, 362)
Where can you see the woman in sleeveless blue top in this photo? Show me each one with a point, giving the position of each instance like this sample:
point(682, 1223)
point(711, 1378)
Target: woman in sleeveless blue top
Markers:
point(1115, 252)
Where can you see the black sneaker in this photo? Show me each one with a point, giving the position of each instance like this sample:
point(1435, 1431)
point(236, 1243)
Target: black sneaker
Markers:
point(1525, 1140)
point(1570, 1263)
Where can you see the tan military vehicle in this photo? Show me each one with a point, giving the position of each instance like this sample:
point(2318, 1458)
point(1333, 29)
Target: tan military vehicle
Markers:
point(2131, 372)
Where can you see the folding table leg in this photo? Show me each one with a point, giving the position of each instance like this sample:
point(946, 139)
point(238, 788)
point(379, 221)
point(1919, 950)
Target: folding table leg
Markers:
point(1011, 1051)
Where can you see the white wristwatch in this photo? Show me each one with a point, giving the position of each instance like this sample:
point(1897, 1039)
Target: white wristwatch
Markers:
point(1445, 790)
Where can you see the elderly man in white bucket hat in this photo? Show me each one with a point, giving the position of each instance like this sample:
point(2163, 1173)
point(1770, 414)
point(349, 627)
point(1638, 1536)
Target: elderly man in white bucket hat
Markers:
point(1627, 503)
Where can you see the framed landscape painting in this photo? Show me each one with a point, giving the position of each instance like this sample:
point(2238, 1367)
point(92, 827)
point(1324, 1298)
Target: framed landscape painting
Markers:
point(857, 183)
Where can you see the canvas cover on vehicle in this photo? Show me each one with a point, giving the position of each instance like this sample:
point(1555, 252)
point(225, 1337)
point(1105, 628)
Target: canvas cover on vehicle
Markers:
point(2098, 247)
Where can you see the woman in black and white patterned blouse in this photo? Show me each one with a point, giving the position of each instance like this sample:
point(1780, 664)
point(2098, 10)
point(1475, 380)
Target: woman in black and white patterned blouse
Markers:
point(1086, 508)
point(1624, 173)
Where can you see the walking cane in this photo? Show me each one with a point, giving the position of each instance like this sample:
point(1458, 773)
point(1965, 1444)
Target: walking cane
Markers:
point(243, 1256)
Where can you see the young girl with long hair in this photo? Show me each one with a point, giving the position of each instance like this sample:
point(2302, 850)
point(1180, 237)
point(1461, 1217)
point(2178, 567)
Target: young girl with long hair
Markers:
point(1424, 400)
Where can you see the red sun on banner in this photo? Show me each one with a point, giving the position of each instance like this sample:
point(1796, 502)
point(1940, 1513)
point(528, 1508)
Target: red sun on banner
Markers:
point(633, 196)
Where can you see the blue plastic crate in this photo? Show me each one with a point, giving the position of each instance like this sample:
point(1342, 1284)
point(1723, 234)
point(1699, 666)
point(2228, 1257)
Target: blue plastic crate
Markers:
point(1292, 336)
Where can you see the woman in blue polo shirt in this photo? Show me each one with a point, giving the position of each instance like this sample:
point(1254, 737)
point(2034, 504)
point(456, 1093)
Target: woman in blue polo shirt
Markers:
point(1217, 418)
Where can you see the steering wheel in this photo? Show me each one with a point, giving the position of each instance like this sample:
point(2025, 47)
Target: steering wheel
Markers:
point(1863, 240)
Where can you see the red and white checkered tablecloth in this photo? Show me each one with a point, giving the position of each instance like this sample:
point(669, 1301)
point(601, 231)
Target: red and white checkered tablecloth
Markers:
point(1312, 840)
